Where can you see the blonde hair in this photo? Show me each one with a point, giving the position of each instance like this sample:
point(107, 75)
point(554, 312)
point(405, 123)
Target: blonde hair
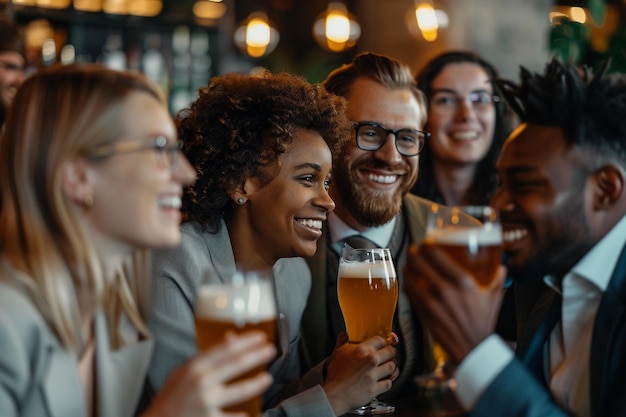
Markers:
point(57, 115)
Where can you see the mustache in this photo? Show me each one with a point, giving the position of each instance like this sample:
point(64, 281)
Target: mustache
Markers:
point(376, 164)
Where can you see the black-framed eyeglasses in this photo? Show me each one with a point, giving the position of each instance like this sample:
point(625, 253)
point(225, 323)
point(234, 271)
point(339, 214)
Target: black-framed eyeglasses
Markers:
point(372, 136)
point(159, 144)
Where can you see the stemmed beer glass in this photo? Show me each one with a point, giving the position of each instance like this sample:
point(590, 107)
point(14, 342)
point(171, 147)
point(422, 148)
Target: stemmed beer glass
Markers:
point(367, 288)
point(472, 236)
point(247, 302)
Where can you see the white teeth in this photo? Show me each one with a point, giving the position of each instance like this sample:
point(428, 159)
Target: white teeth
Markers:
point(465, 135)
point(313, 224)
point(384, 179)
point(513, 235)
point(170, 202)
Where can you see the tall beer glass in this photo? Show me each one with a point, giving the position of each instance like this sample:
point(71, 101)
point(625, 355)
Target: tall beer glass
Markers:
point(367, 287)
point(247, 303)
point(472, 236)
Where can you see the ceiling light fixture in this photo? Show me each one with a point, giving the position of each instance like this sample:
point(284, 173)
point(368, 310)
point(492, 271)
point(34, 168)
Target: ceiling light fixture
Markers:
point(336, 29)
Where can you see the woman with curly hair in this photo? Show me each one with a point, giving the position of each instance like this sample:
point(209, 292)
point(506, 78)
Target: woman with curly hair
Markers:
point(263, 149)
point(468, 123)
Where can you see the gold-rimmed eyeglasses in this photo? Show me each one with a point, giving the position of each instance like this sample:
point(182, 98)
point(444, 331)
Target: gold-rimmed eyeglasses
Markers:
point(159, 144)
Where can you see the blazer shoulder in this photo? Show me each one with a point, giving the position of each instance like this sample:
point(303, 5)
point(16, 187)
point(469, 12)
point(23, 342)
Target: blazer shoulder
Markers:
point(26, 344)
point(19, 313)
point(416, 211)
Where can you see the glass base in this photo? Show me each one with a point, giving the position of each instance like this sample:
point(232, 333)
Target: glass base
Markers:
point(372, 408)
point(435, 393)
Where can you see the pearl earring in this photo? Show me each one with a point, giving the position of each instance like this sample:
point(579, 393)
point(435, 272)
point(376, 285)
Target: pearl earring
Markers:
point(240, 200)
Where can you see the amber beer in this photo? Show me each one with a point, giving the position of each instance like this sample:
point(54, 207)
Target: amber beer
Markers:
point(221, 308)
point(476, 248)
point(368, 293)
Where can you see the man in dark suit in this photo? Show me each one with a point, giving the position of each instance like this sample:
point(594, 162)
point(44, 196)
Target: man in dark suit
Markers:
point(562, 198)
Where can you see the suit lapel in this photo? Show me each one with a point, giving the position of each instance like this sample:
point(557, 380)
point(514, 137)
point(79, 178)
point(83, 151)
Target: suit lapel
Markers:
point(62, 389)
point(608, 344)
point(527, 330)
point(120, 373)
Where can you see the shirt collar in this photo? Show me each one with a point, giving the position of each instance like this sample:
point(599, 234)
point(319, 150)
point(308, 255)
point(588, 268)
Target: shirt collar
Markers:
point(380, 235)
point(598, 264)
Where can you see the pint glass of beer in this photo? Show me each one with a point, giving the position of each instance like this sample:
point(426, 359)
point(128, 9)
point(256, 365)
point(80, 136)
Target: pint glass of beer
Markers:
point(247, 303)
point(367, 288)
point(472, 236)
point(477, 245)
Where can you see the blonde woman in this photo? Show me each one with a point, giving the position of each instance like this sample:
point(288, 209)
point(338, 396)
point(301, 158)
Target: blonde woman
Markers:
point(91, 177)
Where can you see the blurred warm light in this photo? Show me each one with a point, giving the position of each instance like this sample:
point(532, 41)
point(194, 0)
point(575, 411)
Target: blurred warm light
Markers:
point(54, 4)
point(88, 5)
point(336, 29)
point(427, 21)
point(146, 8)
point(36, 33)
point(25, 2)
point(424, 21)
point(578, 14)
point(575, 14)
point(115, 6)
point(256, 36)
point(207, 9)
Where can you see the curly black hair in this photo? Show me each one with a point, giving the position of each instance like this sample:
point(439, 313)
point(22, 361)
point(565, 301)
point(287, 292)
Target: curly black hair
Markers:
point(242, 123)
point(588, 107)
point(484, 182)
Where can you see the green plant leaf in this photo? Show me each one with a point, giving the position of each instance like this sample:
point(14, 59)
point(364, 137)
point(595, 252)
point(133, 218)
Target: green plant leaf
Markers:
point(596, 7)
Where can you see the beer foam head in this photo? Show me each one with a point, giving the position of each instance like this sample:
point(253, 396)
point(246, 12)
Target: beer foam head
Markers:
point(366, 269)
point(251, 302)
point(460, 235)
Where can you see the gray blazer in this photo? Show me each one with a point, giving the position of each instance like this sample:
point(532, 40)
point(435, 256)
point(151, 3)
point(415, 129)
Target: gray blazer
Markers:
point(39, 377)
point(203, 257)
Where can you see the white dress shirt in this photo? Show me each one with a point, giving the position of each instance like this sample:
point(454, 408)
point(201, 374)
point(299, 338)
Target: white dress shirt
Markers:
point(570, 343)
point(339, 230)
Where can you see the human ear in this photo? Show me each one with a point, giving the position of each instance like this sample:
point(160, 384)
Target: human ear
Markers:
point(609, 184)
point(242, 193)
point(76, 184)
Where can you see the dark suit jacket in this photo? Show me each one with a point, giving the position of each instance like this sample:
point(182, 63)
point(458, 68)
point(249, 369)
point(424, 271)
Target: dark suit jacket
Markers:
point(515, 392)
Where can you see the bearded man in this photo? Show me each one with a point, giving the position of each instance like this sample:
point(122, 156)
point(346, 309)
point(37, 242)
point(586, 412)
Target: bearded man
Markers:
point(370, 185)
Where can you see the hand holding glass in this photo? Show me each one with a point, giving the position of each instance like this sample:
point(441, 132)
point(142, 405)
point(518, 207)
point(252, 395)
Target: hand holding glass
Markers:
point(367, 287)
point(472, 236)
point(247, 303)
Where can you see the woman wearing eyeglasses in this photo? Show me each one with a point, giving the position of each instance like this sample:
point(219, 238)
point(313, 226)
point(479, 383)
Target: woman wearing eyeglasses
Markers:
point(468, 123)
point(91, 177)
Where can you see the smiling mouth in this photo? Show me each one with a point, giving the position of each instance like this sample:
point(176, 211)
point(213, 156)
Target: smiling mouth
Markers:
point(468, 135)
point(382, 179)
point(513, 235)
point(171, 202)
point(311, 223)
